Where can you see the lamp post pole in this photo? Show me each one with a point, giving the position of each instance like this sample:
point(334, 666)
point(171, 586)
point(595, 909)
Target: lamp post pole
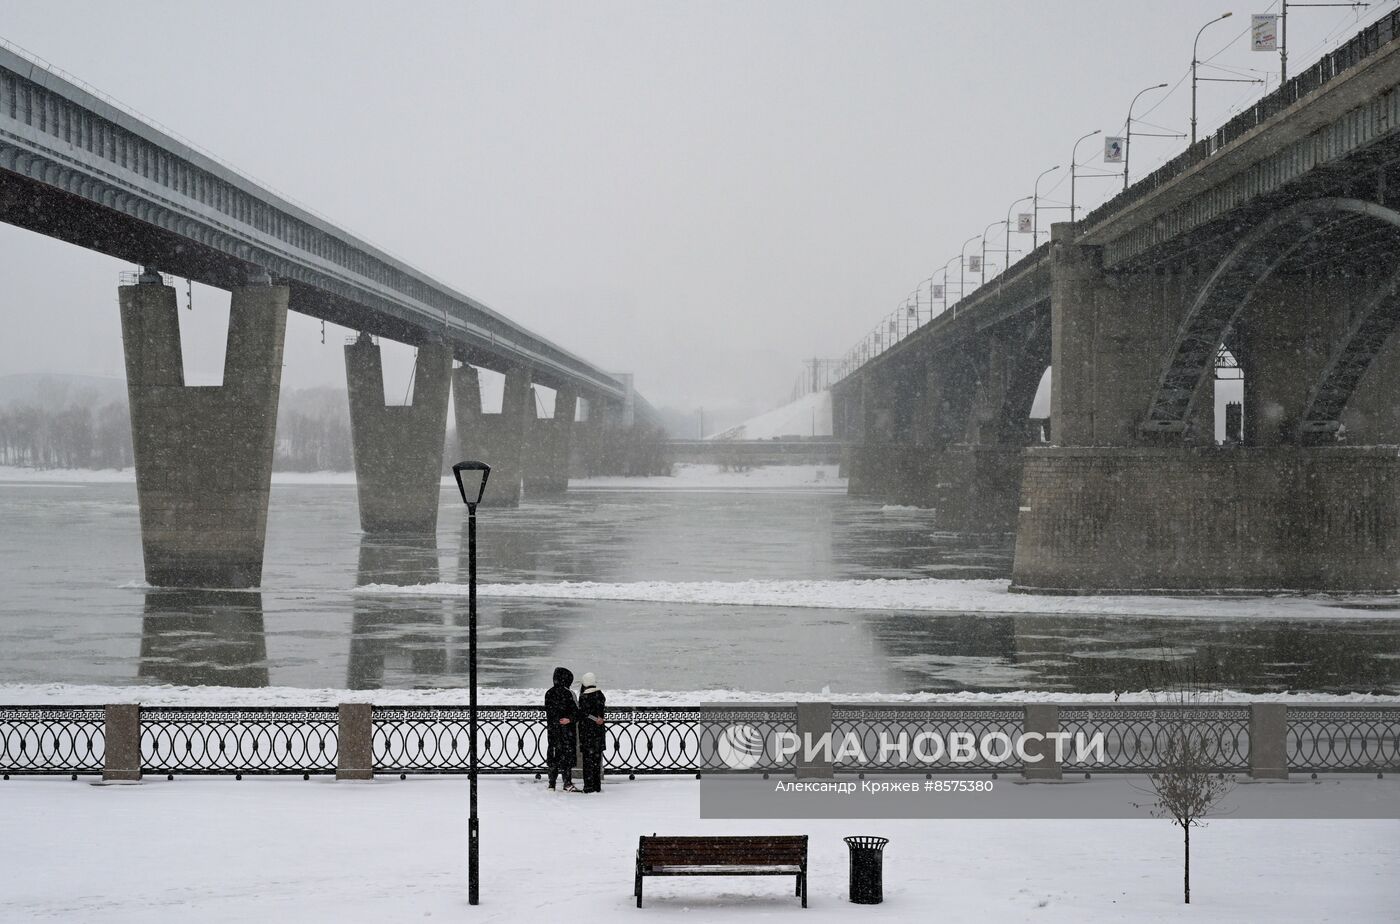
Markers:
point(1073, 172)
point(477, 475)
point(984, 250)
point(945, 283)
point(473, 823)
point(1128, 140)
point(962, 273)
point(1194, 62)
point(1035, 205)
point(1008, 226)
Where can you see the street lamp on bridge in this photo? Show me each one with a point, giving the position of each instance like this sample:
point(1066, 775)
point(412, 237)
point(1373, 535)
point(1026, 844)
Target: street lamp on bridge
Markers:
point(1073, 168)
point(1128, 139)
point(962, 273)
point(1035, 205)
point(1195, 62)
point(984, 249)
point(1008, 227)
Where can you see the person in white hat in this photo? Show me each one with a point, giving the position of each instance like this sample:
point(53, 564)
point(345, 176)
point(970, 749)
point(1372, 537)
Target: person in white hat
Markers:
point(592, 733)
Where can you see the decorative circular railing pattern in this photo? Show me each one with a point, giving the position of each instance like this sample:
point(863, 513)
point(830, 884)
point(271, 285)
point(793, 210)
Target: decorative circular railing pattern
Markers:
point(652, 740)
point(672, 739)
point(248, 740)
point(52, 739)
point(1343, 740)
point(1137, 738)
point(878, 732)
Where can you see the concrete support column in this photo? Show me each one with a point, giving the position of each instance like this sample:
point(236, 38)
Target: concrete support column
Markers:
point(354, 756)
point(203, 455)
point(1268, 741)
point(122, 736)
point(1076, 281)
point(547, 468)
point(398, 450)
point(813, 722)
point(1044, 719)
point(497, 439)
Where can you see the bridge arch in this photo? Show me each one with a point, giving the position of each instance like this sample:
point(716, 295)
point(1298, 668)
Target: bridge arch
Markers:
point(1228, 291)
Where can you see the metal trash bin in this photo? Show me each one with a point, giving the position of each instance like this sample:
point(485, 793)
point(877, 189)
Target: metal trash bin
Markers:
point(867, 869)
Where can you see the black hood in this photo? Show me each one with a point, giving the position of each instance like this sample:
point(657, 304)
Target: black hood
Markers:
point(563, 676)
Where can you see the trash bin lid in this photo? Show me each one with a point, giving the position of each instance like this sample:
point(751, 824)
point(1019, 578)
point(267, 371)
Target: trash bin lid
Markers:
point(868, 841)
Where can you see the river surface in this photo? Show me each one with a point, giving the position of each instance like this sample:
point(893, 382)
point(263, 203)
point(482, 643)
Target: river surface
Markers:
point(73, 608)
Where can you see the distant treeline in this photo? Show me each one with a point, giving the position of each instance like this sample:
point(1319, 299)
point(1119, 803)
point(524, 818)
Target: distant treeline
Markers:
point(80, 428)
point(87, 431)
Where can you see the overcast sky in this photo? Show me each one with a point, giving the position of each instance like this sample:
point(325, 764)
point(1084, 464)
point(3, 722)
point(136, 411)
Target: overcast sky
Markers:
point(702, 193)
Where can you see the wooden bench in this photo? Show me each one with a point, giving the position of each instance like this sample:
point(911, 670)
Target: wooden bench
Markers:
point(723, 856)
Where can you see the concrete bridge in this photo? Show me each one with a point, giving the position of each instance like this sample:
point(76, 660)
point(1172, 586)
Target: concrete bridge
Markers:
point(1275, 242)
point(75, 167)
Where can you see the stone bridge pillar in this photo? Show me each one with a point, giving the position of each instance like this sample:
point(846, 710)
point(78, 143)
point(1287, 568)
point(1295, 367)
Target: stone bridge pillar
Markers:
point(398, 450)
point(203, 454)
point(496, 439)
point(547, 467)
point(1113, 507)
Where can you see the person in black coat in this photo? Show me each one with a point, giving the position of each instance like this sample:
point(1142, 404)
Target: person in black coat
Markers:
point(560, 711)
point(592, 734)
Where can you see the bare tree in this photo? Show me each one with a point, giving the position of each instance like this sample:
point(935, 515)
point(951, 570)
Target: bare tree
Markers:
point(1188, 784)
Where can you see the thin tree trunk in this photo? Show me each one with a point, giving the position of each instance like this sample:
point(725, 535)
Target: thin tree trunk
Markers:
point(1186, 830)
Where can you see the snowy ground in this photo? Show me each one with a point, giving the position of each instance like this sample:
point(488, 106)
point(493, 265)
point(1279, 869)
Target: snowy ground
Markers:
point(923, 595)
point(214, 850)
point(808, 416)
point(53, 694)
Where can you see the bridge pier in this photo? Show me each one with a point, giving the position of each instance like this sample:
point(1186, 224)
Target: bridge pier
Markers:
point(203, 454)
point(1228, 518)
point(398, 449)
point(547, 465)
point(1115, 507)
point(497, 439)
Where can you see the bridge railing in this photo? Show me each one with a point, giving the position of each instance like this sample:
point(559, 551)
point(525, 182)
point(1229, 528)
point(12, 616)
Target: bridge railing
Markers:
point(695, 740)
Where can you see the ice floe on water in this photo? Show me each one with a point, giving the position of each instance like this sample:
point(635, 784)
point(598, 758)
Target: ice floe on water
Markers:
point(921, 595)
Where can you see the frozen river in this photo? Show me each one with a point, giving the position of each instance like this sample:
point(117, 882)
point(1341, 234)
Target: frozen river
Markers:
point(73, 609)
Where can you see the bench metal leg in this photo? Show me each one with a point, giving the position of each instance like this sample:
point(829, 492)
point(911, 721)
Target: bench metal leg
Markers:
point(804, 889)
point(639, 890)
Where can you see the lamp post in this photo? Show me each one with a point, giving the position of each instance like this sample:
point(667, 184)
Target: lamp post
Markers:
point(1035, 205)
point(1128, 140)
point(1283, 33)
point(984, 250)
point(1073, 163)
point(945, 282)
point(962, 273)
point(1008, 226)
point(1194, 62)
point(471, 482)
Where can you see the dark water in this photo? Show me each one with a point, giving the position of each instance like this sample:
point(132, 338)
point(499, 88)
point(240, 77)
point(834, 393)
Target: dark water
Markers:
point(72, 609)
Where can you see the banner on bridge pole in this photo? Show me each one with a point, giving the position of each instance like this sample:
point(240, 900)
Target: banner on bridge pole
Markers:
point(937, 291)
point(974, 264)
point(1113, 150)
point(1024, 222)
point(1263, 29)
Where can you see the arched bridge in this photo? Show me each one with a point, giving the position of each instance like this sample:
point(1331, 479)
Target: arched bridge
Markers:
point(1273, 244)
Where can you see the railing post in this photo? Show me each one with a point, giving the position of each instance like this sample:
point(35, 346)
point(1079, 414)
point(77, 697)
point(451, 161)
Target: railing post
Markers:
point(354, 756)
point(1268, 741)
point(813, 721)
point(1044, 719)
point(122, 734)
